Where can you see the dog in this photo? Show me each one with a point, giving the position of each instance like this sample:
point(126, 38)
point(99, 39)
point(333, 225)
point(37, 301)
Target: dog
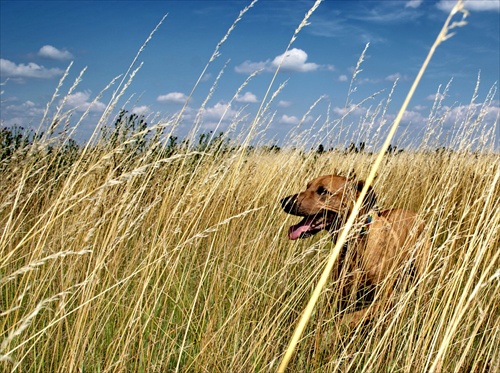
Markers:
point(383, 245)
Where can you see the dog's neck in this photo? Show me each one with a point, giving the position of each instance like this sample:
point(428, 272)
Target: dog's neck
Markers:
point(364, 220)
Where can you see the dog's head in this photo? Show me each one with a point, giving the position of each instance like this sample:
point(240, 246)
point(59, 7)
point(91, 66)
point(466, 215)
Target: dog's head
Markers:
point(326, 201)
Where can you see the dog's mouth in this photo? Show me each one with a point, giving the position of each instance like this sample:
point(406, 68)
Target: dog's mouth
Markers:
point(313, 224)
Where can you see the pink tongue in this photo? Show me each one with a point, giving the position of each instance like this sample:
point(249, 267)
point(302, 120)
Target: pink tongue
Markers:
point(303, 226)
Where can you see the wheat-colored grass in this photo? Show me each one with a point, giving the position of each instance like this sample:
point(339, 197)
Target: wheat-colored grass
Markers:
point(149, 258)
point(104, 271)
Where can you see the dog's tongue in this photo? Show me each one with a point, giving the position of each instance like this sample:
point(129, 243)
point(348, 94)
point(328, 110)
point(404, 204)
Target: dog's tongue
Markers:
point(295, 231)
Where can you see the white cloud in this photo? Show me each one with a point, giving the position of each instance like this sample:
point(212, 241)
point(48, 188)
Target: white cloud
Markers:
point(141, 110)
point(420, 107)
point(356, 112)
point(293, 60)
point(206, 77)
point(476, 118)
point(219, 110)
point(248, 98)
point(216, 117)
point(410, 116)
point(435, 96)
point(474, 5)
point(492, 114)
point(284, 103)
point(351, 110)
point(49, 51)
point(461, 112)
point(31, 70)
point(80, 102)
point(385, 15)
point(396, 76)
point(413, 3)
point(176, 97)
point(249, 67)
point(26, 114)
point(27, 107)
point(393, 77)
point(368, 81)
point(289, 119)
point(343, 78)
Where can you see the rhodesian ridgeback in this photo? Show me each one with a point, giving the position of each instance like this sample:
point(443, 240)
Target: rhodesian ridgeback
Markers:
point(381, 247)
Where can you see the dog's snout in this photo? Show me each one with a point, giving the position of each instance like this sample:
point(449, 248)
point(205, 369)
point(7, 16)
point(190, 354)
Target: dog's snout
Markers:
point(289, 203)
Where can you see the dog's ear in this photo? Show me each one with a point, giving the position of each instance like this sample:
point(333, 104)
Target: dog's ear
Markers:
point(370, 199)
point(359, 185)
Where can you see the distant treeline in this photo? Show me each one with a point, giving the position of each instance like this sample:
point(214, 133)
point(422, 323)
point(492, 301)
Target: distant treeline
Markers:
point(131, 133)
point(361, 148)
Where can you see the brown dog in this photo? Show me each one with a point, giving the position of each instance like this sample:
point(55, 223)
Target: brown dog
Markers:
point(384, 241)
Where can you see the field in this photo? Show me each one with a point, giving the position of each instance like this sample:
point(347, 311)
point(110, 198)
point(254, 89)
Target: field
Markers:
point(115, 259)
point(139, 253)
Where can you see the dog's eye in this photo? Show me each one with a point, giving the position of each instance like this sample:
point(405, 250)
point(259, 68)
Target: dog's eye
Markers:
point(322, 191)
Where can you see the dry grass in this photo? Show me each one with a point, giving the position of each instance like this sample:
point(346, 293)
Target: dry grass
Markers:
point(115, 258)
point(184, 261)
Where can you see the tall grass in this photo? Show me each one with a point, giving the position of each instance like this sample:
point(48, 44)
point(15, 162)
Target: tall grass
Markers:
point(131, 255)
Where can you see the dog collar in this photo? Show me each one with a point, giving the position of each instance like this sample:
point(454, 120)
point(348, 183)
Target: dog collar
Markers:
point(366, 226)
point(369, 218)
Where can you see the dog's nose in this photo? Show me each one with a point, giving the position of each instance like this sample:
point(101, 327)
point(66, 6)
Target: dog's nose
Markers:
point(285, 201)
point(289, 203)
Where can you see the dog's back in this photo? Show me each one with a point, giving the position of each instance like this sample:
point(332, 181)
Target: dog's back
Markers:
point(390, 241)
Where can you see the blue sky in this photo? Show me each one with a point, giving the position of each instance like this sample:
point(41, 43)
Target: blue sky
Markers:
point(39, 39)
